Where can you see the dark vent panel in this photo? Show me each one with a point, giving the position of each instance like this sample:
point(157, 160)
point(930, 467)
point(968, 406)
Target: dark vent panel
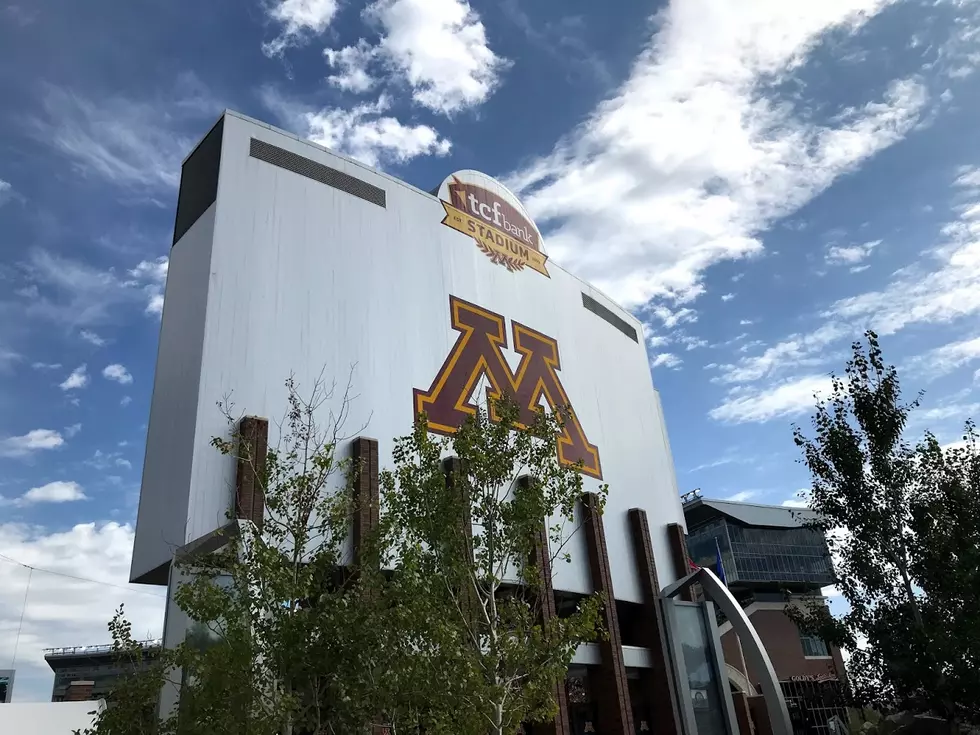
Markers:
point(199, 180)
point(603, 313)
point(317, 171)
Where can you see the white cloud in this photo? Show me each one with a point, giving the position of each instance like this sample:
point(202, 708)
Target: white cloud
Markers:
point(666, 359)
point(71, 431)
point(439, 47)
point(120, 462)
point(799, 500)
point(75, 294)
point(947, 358)
point(797, 350)
point(6, 192)
point(46, 365)
point(741, 497)
point(54, 492)
point(727, 297)
point(151, 276)
point(7, 358)
point(352, 64)
point(92, 338)
point(65, 611)
point(744, 322)
point(757, 405)
point(944, 285)
point(33, 441)
point(689, 160)
point(851, 254)
point(117, 373)
point(77, 379)
point(301, 19)
point(125, 401)
point(131, 142)
point(359, 131)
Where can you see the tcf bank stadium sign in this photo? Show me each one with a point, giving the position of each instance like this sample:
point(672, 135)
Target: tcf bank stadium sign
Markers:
point(483, 209)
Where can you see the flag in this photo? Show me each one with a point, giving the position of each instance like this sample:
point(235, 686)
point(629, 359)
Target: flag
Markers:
point(719, 567)
point(690, 563)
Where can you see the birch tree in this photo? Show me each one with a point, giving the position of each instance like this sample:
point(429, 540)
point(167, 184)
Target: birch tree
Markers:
point(468, 544)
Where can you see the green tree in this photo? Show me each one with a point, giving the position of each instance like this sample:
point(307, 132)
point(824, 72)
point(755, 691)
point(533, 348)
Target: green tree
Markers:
point(903, 526)
point(468, 545)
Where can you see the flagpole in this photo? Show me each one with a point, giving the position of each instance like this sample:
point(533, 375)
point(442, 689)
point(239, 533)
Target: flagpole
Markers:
point(720, 571)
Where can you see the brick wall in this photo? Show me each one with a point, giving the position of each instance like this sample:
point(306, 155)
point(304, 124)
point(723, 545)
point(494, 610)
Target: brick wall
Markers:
point(781, 638)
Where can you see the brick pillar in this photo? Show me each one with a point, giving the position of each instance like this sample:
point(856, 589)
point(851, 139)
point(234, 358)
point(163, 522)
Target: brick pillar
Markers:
point(453, 469)
point(742, 713)
point(253, 437)
point(367, 493)
point(612, 691)
point(79, 691)
point(658, 681)
point(759, 714)
point(542, 560)
point(679, 556)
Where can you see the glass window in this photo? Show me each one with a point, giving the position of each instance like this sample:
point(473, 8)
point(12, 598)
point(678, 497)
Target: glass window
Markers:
point(814, 645)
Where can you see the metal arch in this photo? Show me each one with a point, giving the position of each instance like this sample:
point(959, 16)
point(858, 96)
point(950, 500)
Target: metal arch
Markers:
point(751, 643)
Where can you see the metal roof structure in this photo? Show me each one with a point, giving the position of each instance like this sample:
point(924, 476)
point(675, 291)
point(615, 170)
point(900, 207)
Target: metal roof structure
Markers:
point(700, 510)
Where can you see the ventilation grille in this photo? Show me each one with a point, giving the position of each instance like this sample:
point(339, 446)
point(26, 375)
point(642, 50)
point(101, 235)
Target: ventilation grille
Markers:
point(603, 313)
point(199, 181)
point(317, 171)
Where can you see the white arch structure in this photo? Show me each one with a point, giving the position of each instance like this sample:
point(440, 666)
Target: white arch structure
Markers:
point(751, 643)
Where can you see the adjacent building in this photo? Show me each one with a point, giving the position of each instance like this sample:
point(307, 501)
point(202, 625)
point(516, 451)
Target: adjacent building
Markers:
point(6, 685)
point(90, 672)
point(771, 559)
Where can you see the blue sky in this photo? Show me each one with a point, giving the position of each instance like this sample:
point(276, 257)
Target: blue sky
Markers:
point(759, 181)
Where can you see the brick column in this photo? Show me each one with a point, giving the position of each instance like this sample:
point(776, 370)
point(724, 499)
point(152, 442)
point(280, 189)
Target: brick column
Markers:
point(367, 498)
point(453, 469)
point(612, 691)
point(659, 682)
point(678, 552)
point(253, 445)
point(542, 560)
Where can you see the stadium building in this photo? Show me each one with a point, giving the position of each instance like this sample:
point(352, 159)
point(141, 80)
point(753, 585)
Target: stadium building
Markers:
point(288, 258)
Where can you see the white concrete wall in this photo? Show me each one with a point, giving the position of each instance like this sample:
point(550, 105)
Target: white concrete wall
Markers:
point(305, 277)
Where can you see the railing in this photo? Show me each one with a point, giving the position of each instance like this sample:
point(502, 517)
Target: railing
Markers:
point(94, 650)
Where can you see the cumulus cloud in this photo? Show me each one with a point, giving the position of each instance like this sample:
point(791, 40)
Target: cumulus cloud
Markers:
point(118, 373)
point(31, 442)
point(780, 400)
point(301, 20)
point(690, 159)
point(351, 63)
point(78, 379)
point(151, 277)
point(361, 131)
point(666, 359)
point(439, 47)
point(850, 255)
point(54, 492)
point(46, 365)
point(92, 338)
point(62, 609)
